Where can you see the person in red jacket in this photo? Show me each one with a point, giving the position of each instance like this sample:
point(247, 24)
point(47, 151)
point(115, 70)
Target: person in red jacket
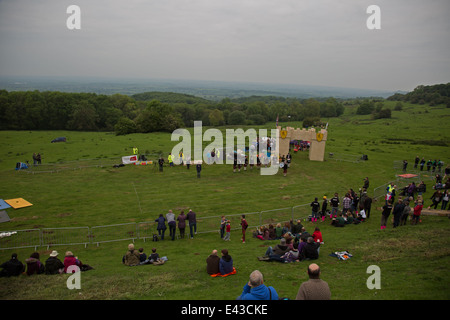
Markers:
point(317, 235)
point(244, 225)
point(71, 260)
point(417, 211)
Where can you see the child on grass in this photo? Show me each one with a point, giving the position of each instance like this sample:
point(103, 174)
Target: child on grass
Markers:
point(227, 231)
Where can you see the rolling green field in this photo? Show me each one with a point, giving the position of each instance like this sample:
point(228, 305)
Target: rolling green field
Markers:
point(414, 260)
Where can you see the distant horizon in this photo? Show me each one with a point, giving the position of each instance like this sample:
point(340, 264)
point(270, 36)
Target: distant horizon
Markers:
point(321, 43)
point(264, 85)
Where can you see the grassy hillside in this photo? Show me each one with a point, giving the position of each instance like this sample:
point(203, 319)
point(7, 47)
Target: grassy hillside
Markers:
point(105, 195)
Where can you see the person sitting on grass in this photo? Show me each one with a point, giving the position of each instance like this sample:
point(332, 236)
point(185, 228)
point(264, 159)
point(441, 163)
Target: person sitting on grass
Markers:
point(339, 221)
point(34, 265)
point(277, 251)
point(255, 289)
point(311, 250)
point(290, 256)
point(212, 263)
point(142, 255)
point(132, 257)
point(12, 267)
point(225, 263)
point(53, 265)
point(154, 258)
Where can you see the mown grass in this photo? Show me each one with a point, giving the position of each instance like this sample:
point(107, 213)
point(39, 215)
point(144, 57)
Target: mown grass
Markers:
point(414, 260)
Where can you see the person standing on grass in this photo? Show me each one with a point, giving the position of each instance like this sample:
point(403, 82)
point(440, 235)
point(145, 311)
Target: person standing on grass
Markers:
point(324, 208)
point(367, 205)
point(192, 223)
point(334, 205)
point(161, 226)
point(416, 162)
point(182, 224)
point(445, 199)
point(223, 224)
point(227, 231)
point(422, 163)
point(199, 169)
point(285, 167)
point(244, 226)
point(416, 213)
point(315, 207)
point(406, 211)
point(387, 208)
point(346, 203)
point(397, 212)
point(170, 216)
point(161, 163)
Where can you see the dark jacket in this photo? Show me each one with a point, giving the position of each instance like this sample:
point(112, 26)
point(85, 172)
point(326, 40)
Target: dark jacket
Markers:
point(226, 264)
point(161, 223)
point(309, 251)
point(280, 249)
point(182, 221)
point(212, 264)
point(12, 267)
point(34, 266)
point(191, 217)
point(53, 265)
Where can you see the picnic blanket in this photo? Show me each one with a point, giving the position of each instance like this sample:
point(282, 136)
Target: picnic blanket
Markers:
point(341, 255)
point(224, 275)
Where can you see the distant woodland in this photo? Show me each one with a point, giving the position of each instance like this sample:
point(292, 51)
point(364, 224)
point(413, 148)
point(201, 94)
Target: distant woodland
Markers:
point(433, 95)
point(166, 111)
point(148, 112)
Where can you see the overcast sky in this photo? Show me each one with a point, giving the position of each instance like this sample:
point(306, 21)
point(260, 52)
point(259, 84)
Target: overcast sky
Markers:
point(311, 42)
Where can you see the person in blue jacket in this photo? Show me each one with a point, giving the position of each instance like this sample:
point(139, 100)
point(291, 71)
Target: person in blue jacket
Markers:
point(225, 263)
point(255, 289)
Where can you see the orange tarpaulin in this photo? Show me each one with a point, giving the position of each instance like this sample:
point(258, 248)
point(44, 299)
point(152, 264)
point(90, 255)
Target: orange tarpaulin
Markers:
point(407, 175)
point(224, 275)
point(18, 203)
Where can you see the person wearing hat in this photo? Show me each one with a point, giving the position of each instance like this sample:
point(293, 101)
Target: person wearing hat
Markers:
point(277, 251)
point(53, 265)
point(70, 260)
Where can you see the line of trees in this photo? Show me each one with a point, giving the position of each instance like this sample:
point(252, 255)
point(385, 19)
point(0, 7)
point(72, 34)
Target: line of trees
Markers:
point(433, 95)
point(149, 112)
